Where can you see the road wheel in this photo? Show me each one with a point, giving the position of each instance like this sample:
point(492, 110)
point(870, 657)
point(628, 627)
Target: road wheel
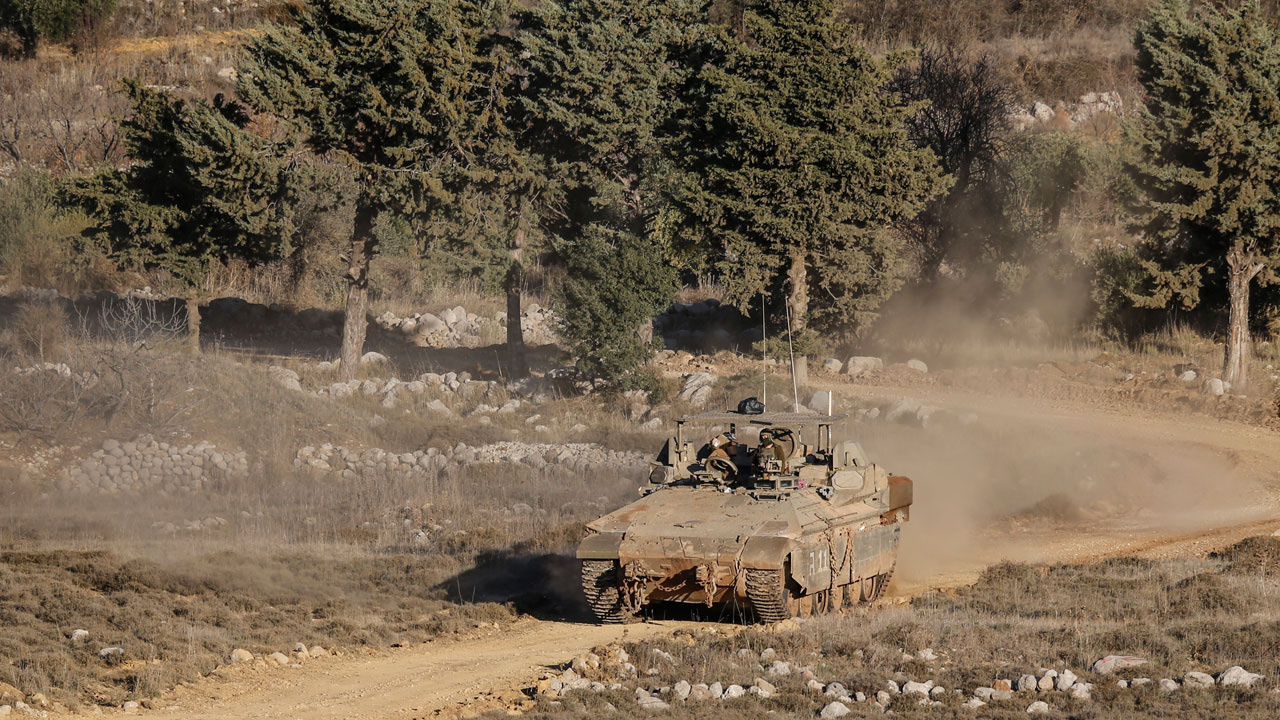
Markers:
point(600, 586)
point(873, 587)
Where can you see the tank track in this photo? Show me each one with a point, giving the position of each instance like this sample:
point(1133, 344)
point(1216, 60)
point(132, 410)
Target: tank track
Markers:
point(600, 586)
point(882, 584)
point(768, 595)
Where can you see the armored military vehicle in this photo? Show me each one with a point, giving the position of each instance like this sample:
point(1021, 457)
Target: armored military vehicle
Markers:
point(780, 521)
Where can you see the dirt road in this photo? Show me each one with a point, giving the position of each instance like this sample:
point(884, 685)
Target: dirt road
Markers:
point(1026, 482)
point(479, 673)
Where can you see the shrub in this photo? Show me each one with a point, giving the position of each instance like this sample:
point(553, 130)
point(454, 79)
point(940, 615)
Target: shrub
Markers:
point(38, 241)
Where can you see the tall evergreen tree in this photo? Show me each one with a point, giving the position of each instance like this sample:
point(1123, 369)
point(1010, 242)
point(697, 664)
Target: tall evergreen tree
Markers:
point(794, 160)
point(200, 189)
point(1208, 139)
point(394, 89)
point(598, 84)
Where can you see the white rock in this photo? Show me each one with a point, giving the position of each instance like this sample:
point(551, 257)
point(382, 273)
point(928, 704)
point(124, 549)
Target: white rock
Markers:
point(917, 365)
point(883, 698)
point(1168, 685)
point(240, 655)
point(835, 690)
point(278, 658)
point(1081, 691)
point(1038, 707)
point(893, 687)
point(927, 655)
point(370, 358)
point(912, 687)
point(5, 710)
point(859, 365)
point(1236, 675)
point(1197, 679)
point(1112, 663)
point(1026, 683)
point(681, 690)
point(834, 710)
point(973, 703)
point(228, 73)
point(79, 636)
point(734, 691)
point(1188, 376)
point(648, 702)
point(1215, 386)
point(984, 692)
point(779, 668)
point(108, 652)
point(1065, 680)
point(832, 365)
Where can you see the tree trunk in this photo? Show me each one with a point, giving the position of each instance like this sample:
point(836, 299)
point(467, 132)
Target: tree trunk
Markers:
point(1240, 274)
point(517, 355)
point(798, 300)
point(356, 322)
point(193, 325)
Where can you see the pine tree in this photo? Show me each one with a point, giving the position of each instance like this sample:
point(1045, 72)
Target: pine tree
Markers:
point(200, 189)
point(598, 84)
point(1208, 140)
point(36, 21)
point(794, 161)
point(397, 91)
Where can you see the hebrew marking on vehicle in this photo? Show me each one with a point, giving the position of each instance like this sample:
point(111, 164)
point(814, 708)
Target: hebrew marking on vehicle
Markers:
point(781, 520)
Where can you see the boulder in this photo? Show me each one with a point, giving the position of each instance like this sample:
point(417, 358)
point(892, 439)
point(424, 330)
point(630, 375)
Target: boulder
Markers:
point(1002, 685)
point(1065, 680)
point(1215, 387)
point(1081, 691)
point(371, 357)
point(734, 691)
point(779, 668)
point(912, 687)
point(1027, 683)
point(1168, 685)
point(240, 655)
point(973, 703)
point(278, 658)
point(860, 364)
point(1197, 679)
point(1236, 675)
point(79, 636)
point(917, 365)
point(1112, 663)
point(835, 690)
point(832, 365)
point(1038, 707)
point(108, 653)
point(681, 690)
point(700, 693)
point(835, 709)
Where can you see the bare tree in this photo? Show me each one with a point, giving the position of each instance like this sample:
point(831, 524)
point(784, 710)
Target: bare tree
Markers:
point(965, 105)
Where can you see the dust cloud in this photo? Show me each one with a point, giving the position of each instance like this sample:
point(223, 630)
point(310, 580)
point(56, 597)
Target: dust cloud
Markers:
point(1044, 488)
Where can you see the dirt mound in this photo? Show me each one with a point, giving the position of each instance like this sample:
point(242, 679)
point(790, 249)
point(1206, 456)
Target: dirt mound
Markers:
point(1252, 555)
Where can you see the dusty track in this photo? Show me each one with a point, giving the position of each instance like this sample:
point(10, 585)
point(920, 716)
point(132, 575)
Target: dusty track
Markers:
point(1238, 496)
point(481, 671)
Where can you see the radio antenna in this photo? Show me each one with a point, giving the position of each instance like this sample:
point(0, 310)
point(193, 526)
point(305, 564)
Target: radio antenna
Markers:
point(764, 353)
point(795, 391)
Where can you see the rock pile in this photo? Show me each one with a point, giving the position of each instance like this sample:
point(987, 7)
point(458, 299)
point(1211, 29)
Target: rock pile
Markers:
point(1090, 106)
point(86, 380)
point(455, 327)
point(349, 464)
point(148, 465)
point(611, 669)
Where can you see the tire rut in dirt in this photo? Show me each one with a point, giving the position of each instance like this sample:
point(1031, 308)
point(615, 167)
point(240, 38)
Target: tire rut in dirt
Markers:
point(600, 586)
point(768, 595)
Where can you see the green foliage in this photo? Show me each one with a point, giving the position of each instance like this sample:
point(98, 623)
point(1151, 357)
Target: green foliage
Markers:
point(200, 189)
point(392, 89)
point(1207, 138)
point(792, 145)
point(36, 21)
point(615, 283)
point(37, 239)
point(598, 86)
